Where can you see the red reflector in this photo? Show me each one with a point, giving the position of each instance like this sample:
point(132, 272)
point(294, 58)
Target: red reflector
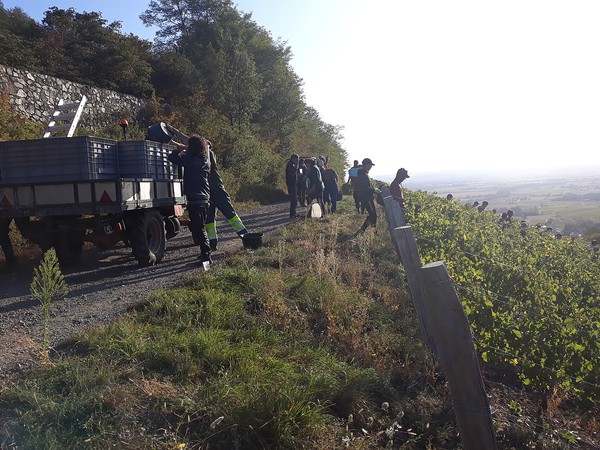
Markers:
point(4, 203)
point(105, 198)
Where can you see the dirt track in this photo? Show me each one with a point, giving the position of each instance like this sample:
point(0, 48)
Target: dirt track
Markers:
point(103, 286)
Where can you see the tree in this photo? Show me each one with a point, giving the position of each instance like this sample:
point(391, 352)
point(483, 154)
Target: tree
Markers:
point(84, 48)
point(177, 19)
point(234, 83)
point(19, 39)
point(281, 104)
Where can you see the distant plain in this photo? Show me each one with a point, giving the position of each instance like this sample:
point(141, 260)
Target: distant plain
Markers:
point(568, 201)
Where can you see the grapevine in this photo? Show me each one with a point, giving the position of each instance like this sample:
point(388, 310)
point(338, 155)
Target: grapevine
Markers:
point(532, 300)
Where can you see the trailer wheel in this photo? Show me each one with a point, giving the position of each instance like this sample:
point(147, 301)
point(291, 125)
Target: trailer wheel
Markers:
point(148, 238)
point(173, 227)
point(69, 246)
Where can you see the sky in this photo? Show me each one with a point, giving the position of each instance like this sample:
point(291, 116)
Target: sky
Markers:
point(434, 85)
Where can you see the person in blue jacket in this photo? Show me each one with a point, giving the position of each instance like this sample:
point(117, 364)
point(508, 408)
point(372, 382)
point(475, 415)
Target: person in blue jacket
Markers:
point(196, 187)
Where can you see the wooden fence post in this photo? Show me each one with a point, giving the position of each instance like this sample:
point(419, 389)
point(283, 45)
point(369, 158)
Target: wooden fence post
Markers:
point(449, 328)
point(393, 212)
point(406, 246)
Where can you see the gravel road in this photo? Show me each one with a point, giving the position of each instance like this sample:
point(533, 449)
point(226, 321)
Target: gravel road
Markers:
point(103, 286)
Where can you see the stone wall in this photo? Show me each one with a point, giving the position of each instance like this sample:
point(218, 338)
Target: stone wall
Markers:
point(35, 95)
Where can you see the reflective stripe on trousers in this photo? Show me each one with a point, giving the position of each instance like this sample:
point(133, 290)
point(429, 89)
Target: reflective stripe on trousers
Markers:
point(211, 230)
point(236, 223)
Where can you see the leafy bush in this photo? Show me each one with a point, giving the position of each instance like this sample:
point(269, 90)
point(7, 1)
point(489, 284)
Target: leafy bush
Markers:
point(15, 126)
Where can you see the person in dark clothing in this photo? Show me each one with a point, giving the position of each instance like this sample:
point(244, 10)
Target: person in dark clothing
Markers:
point(196, 187)
point(219, 199)
point(6, 244)
point(330, 191)
point(315, 183)
point(366, 192)
point(302, 182)
point(396, 189)
point(291, 179)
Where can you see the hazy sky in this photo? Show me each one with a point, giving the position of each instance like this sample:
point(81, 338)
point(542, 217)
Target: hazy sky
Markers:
point(435, 85)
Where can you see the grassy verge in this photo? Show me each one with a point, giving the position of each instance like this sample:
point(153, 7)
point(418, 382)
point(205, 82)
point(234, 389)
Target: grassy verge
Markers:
point(309, 342)
point(298, 345)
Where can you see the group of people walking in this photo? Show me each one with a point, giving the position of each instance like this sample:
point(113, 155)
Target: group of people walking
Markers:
point(311, 179)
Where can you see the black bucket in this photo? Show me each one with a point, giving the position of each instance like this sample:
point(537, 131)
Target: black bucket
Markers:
point(159, 133)
point(252, 240)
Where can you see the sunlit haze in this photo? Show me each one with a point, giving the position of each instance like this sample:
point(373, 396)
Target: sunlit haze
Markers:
point(435, 86)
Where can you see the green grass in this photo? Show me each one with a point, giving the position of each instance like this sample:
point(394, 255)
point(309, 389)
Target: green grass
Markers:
point(275, 349)
point(309, 342)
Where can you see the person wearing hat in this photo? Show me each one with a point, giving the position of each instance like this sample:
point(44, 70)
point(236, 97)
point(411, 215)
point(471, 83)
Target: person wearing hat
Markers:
point(365, 192)
point(396, 189)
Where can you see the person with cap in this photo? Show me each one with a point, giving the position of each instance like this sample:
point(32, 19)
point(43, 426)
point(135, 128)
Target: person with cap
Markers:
point(366, 192)
point(396, 189)
point(291, 179)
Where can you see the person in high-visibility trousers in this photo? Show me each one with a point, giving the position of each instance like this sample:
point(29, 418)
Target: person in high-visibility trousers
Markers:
point(219, 199)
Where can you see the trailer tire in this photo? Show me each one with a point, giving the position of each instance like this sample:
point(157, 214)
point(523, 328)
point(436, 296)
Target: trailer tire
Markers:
point(148, 238)
point(68, 246)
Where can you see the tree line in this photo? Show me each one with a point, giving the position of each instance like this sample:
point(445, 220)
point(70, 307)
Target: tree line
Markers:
point(211, 69)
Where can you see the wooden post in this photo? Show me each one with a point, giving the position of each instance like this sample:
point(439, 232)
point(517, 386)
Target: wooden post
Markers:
point(393, 212)
point(449, 328)
point(406, 245)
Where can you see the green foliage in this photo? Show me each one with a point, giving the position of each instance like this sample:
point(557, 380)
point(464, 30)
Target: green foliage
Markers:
point(532, 300)
point(251, 168)
point(19, 39)
point(15, 126)
point(48, 285)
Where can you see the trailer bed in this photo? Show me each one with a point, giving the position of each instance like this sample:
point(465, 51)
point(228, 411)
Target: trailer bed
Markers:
point(88, 197)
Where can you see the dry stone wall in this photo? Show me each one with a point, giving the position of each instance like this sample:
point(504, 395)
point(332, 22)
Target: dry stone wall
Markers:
point(35, 95)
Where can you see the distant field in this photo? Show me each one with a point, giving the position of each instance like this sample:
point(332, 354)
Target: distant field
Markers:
point(555, 202)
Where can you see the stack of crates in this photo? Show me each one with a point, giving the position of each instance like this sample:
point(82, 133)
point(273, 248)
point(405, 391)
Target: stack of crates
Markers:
point(145, 159)
point(68, 159)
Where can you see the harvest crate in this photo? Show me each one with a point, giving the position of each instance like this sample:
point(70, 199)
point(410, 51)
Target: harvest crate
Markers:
point(145, 159)
point(78, 158)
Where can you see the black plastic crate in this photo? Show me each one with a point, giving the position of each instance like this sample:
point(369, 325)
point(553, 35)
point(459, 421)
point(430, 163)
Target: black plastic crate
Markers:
point(79, 158)
point(145, 159)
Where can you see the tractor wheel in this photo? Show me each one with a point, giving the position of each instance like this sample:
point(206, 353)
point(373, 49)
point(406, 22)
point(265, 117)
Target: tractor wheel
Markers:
point(148, 237)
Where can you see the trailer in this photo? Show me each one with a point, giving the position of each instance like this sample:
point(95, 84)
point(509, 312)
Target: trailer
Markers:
point(63, 192)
